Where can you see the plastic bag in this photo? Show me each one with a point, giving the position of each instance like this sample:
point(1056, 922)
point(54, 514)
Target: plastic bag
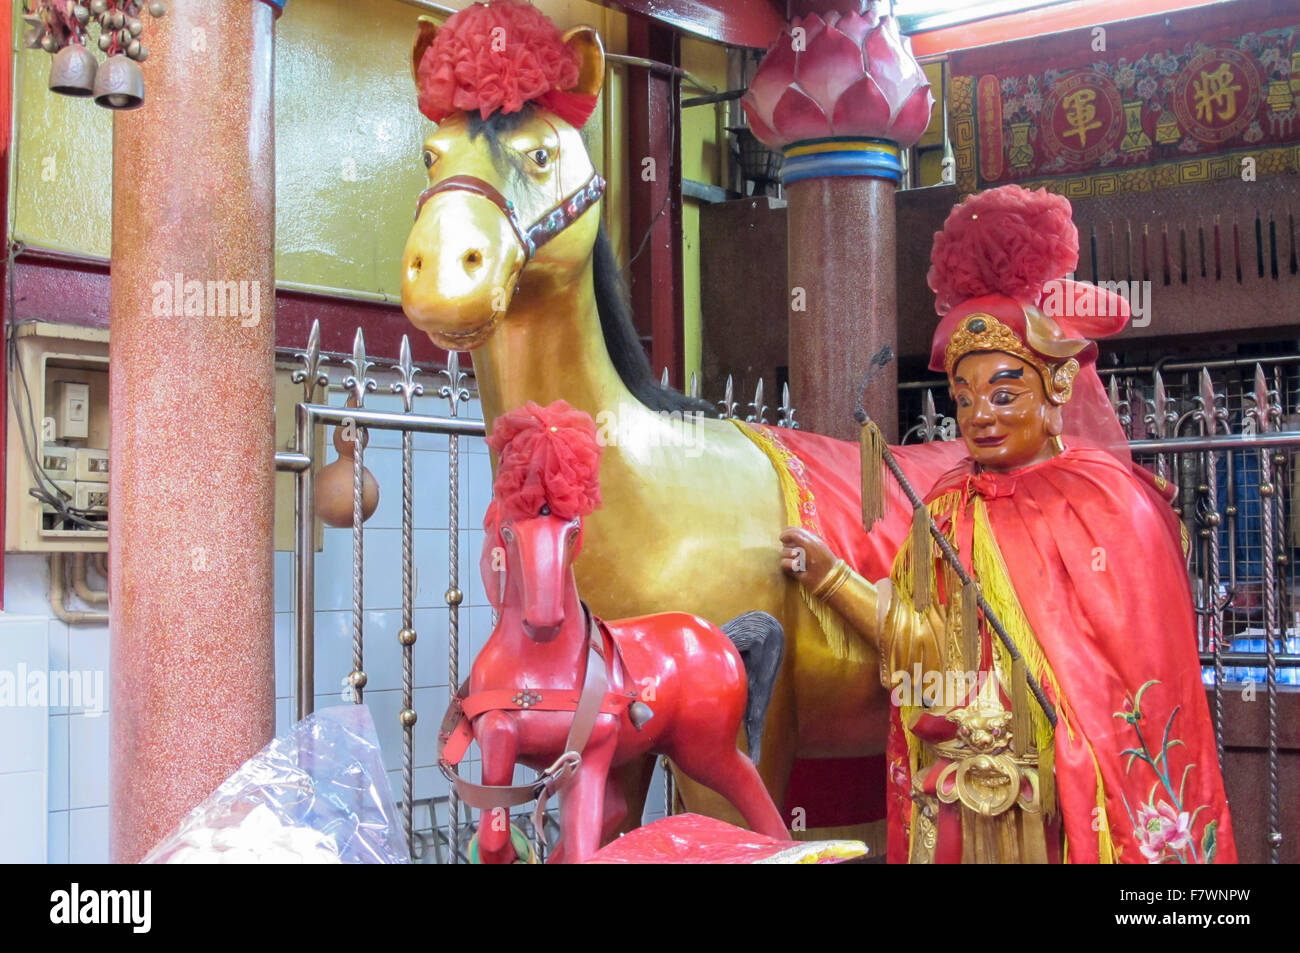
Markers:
point(318, 794)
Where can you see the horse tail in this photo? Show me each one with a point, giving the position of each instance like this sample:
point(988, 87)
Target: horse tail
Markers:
point(761, 642)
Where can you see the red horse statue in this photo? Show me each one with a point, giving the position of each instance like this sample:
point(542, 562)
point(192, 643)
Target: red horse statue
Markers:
point(565, 693)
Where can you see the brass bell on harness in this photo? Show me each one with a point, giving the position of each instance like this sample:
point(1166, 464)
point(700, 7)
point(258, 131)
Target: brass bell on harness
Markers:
point(120, 84)
point(72, 73)
point(639, 713)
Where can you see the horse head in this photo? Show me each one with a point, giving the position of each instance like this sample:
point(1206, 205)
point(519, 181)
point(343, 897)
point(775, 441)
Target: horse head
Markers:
point(539, 554)
point(511, 203)
point(546, 482)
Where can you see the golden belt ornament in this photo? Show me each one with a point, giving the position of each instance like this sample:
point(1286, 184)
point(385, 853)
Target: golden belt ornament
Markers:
point(981, 775)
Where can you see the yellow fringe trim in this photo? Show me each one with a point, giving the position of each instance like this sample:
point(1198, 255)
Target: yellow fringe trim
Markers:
point(838, 640)
point(991, 572)
point(995, 584)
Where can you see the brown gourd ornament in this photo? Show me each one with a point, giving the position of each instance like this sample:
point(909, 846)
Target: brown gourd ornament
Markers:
point(334, 483)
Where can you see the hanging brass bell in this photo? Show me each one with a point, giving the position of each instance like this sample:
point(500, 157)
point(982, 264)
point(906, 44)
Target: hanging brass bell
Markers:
point(120, 84)
point(73, 71)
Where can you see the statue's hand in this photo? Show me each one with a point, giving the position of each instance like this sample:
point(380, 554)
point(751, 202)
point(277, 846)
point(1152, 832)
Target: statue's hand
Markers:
point(805, 557)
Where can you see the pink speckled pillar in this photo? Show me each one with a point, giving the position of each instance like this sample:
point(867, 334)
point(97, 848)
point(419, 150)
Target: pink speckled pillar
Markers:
point(191, 496)
point(841, 251)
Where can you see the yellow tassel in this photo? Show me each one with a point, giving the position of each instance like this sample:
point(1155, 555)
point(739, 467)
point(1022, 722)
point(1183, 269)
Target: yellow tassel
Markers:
point(872, 443)
point(1019, 709)
point(922, 559)
point(1047, 779)
point(970, 626)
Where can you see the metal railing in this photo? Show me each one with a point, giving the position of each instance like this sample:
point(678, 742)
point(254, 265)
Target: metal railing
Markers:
point(300, 460)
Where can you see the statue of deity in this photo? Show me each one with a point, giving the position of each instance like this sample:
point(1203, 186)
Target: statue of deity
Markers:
point(1091, 741)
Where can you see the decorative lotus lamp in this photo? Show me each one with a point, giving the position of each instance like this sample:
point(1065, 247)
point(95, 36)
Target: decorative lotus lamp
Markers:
point(840, 96)
point(62, 28)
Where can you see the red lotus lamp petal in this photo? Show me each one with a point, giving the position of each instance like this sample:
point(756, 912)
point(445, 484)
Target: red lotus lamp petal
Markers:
point(761, 130)
point(857, 72)
point(797, 117)
point(857, 27)
point(829, 66)
point(862, 107)
point(914, 118)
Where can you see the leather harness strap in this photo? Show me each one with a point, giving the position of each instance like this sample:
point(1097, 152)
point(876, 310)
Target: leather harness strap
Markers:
point(540, 232)
point(595, 699)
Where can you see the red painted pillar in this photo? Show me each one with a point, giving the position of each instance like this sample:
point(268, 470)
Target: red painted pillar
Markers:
point(191, 397)
point(655, 197)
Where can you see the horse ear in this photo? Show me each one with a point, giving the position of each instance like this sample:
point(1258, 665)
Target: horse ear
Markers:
point(585, 41)
point(427, 30)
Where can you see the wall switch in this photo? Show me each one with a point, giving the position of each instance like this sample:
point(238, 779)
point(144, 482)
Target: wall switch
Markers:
point(59, 463)
point(73, 409)
point(92, 497)
point(92, 465)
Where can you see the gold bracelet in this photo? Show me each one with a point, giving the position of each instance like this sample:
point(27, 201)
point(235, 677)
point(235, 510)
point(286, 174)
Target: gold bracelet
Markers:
point(833, 580)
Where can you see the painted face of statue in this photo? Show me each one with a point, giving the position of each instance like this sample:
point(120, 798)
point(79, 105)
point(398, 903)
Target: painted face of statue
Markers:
point(1004, 414)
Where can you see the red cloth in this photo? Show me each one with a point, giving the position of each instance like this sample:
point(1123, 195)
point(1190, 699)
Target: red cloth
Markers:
point(829, 475)
point(692, 839)
point(1096, 560)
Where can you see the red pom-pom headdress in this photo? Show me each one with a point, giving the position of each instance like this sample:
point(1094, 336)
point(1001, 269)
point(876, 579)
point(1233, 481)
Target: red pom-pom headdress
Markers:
point(998, 273)
point(495, 57)
point(1006, 252)
point(546, 456)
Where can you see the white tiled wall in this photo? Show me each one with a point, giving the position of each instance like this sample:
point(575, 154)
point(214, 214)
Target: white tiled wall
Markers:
point(73, 797)
point(58, 783)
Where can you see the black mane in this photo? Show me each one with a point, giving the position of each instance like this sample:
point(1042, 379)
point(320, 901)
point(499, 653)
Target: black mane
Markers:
point(624, 344)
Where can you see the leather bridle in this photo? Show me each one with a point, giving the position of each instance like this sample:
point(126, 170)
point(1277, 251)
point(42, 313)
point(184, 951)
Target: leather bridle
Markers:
point(593, 700)
point(534, 236)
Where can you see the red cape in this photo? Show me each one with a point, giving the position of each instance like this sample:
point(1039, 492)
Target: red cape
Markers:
point(1095, 557)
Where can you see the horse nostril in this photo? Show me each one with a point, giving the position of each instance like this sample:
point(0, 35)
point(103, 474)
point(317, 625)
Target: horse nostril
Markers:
point(413, 269)
point(473, 259)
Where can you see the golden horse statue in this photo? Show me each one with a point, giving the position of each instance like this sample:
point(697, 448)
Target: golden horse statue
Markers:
point(689, 527)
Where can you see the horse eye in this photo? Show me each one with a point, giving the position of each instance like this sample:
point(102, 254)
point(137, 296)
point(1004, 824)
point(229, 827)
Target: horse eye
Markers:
point(546, 510)
point(506, 534)
point(429, 158)
point(541, 157)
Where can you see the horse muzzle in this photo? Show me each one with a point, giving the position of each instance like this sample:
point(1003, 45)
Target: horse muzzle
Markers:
point(459, 270)
point(542, 631)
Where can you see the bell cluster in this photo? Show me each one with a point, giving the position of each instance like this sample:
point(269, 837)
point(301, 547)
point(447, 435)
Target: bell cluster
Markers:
point(60, 28)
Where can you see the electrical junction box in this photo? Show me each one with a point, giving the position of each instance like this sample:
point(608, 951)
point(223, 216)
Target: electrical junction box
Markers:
point(59, 463)
point(45, 406)
point(57, 438)
point(92, 497)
